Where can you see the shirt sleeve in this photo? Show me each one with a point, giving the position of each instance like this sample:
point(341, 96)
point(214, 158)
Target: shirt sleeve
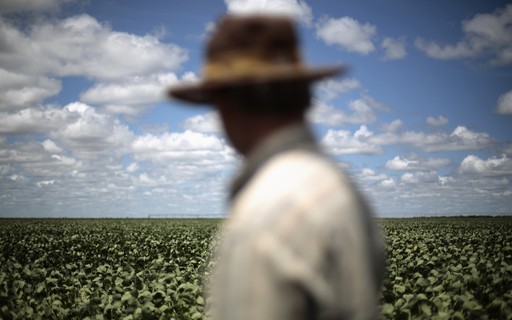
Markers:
point(259, 277)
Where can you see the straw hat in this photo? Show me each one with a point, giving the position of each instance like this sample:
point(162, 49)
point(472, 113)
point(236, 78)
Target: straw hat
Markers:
point(250, 50)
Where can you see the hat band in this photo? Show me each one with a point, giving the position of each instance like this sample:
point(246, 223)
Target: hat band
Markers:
point(247, 67)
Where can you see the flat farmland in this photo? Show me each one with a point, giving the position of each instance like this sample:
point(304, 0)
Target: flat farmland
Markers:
point(438, 268)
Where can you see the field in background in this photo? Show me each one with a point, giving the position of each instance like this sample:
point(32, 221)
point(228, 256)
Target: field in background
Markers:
point(444, 268)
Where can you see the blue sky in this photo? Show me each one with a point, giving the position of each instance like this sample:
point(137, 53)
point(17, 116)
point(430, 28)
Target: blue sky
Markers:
point(421, 122)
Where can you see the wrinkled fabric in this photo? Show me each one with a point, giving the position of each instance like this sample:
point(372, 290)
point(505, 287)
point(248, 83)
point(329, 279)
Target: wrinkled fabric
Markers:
point(299, 243)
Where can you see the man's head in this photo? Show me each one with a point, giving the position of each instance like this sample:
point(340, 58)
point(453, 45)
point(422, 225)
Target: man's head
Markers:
point(250, 113)
point(254, 50)
point(254, 77)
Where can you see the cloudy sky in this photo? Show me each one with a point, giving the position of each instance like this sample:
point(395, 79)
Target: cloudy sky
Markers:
point(422, 123)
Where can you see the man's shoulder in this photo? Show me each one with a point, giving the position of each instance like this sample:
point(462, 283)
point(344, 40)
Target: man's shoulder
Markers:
point(292, 169)
point(297, 165)
point(291, 177)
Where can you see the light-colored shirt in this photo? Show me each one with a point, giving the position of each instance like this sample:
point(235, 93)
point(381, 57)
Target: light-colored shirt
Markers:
point(299, 243)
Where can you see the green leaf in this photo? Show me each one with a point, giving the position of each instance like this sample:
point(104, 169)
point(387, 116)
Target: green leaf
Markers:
point(388, 309)
point(426, 309)
point(126, 296)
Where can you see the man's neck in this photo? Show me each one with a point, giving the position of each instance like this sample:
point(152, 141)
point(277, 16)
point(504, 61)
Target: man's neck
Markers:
point(262, 128)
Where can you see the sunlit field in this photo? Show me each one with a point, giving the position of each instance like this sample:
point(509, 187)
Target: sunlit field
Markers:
point(442, 268)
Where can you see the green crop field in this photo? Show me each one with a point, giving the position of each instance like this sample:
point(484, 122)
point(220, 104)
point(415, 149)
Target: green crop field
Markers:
point(442, 268)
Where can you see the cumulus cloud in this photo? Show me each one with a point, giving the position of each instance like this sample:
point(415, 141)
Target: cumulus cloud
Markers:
point(364, 141)
point(187, 146)
point(205, 123)
point(508, 149)
point(362, 111)
point(388, 184)
point(133, 167)
point(392, 126)
point(82, 46)
point(435, 50)
point(505, 103)
point(297, 9)
point(344, 142)
point(330, 89)
point(44, 183)
point(89, 132)
point(419, 177)
point(347, 33)
point(414, 162)
point(486, 34)
point(21, 91)
point(77, 126)
point(461, 138)
point(369, 175)
point(491, 167)
point(20, 152)
point(394, 48)
point(32, 121)
point(437, 122)
point(51, 147)
point(131, 95)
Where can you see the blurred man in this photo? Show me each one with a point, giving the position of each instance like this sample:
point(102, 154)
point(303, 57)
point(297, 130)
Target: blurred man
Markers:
point(300, 242)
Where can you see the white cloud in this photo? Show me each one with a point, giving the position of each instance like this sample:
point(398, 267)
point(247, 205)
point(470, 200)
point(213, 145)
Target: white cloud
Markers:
point(131, 95)
point(505, 103)
point(17, 153)
point(89, 132)
point(348, 33)
point(371, 102)
point(486, 34)
point(461, 138)
point(344, 142)
point(77, 126)
point(82, 46)
point(35, 120)
point(392, 126)
point(134, 166)
point(297, 9)
point(416, 163)
point(419, 177)
point(394, 48)
point(186, 146)
point(145, 180)
point(491, 167)
point(20, 91)
point(508, 150)
point(364, 141)
point(437, 122)
point(434, 50)
point(15, 177)
point(388, 184)
point(330, 89)
point(43, 183)
point(51, 147)
point(369, 175)
point(205, 123)
point(361, 112)
point(66, 161)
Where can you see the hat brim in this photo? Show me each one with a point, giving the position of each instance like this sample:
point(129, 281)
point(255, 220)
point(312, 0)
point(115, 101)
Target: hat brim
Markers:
point(200, 92)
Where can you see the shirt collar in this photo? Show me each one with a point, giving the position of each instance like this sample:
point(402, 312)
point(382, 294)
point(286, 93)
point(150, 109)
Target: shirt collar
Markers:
point(296, 136)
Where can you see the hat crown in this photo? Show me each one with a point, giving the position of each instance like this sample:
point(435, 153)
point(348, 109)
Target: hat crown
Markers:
point(247, 51)
point(265, 38)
